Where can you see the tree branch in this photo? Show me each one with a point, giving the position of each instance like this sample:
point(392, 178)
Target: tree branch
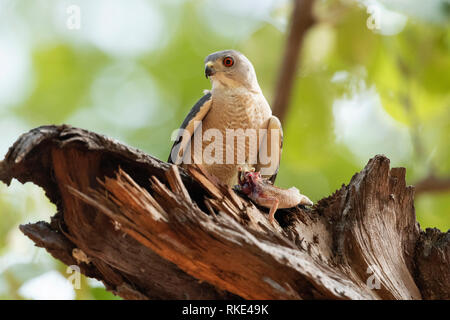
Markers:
point(432, 183)
point(150, 230)
point(301, 20)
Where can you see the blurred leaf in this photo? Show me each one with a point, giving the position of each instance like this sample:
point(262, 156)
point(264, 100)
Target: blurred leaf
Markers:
point(62, 79)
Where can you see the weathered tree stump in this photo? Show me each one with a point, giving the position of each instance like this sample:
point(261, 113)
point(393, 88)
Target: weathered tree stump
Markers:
point(150, 230)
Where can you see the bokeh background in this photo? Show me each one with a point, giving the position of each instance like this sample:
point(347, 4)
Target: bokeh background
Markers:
point(374, 77)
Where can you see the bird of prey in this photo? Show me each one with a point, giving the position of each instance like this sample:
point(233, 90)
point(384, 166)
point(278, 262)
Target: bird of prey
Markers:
point(234, 105)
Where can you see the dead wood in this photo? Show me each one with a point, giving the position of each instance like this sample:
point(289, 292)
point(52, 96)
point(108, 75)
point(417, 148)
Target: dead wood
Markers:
point(150, 230)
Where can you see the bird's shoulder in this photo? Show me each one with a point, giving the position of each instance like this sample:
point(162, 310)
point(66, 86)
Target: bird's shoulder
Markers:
point(197, 113)
point(198, 108)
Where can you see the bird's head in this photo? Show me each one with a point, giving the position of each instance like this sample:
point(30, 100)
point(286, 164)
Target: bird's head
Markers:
point(230, 69)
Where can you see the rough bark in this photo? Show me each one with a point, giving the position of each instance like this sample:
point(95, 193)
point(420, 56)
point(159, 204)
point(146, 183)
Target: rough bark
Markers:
point(150, 230)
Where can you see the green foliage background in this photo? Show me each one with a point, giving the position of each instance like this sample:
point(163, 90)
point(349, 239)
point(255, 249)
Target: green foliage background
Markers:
point(398, 84)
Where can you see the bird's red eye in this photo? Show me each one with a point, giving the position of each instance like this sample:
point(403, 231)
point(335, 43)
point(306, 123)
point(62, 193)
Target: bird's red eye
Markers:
point(228, 62)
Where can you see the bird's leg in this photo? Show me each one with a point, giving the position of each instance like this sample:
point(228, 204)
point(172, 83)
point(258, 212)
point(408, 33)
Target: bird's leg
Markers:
point(273, 208)
point(240, 174)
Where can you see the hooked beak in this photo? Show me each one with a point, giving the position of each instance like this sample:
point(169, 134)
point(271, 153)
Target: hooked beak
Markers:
point(209, 70)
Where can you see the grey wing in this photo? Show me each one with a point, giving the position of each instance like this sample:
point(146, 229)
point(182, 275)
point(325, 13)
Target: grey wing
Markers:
point(273, 129)
point(187, 129)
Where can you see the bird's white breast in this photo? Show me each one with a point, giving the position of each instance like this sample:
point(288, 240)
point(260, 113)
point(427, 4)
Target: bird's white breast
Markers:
point(235, 109)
